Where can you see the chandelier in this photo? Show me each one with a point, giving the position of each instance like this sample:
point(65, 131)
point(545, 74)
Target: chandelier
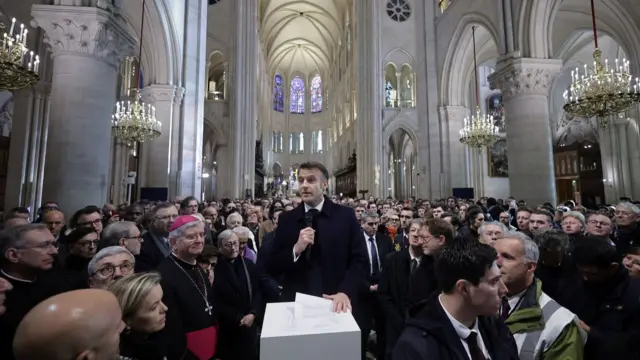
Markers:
point(479, 129)
point(134, 121)
point(602, 90)
point(18, 65)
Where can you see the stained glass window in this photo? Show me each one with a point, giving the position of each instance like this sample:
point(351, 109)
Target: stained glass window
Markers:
point(316, 94)
point(296, 102)
point(278, 93)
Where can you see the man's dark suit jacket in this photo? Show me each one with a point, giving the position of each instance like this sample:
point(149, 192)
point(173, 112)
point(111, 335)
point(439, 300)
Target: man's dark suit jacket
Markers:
point(270, 286)
point(152, 252)
point(393, 290)
point(338, 259)
point(385, 246)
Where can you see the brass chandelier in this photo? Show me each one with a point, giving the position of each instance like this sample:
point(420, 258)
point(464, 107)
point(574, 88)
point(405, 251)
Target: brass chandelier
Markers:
point(479, 129)
point(602, 90)
point(134, 121)
point(18, 66)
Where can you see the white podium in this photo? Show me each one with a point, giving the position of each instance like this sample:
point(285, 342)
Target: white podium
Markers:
point(307, 329)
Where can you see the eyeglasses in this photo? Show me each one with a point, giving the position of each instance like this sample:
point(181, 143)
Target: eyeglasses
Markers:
point(139, 238)
point(87, 244)
point(108, 270)
point(90, 223)
point(601, 223)
point(232, 244)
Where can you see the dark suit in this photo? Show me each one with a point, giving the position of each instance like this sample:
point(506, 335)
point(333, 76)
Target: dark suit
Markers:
point(429, 335)
point(269, 285)
point(392, 292)
point(152, 252)
point(401, 241)
point(337, 258)
point(234, 300)
point(368, 313)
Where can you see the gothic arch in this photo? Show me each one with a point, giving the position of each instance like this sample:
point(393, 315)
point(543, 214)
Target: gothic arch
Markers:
point(453, 85)
point(537, 18)
point(404, 124)
point(399, 57)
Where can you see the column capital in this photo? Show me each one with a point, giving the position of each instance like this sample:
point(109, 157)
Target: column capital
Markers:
point(524, 76)
point(84, 31)
point(177, 99)
point(156, 93)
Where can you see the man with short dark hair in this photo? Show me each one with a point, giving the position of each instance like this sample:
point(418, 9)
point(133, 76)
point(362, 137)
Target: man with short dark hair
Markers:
point(540, 220)
point(402, 237)
point(155, 242)
point(460, 323)
point(317, 247)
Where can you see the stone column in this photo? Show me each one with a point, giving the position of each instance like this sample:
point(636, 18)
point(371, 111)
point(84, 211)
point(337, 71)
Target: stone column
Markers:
point(243, 98)
point(621, 126)
point(455, 152)
point(176, 124)
point(525, 85)
point(17, 165)
point(158, 151)
point(369, 97)
point(88, 45)
point(633, 140)
point(194, 77)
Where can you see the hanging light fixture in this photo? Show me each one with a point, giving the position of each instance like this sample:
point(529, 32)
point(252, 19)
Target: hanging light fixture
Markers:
point(479, 129)
point(18, 65)
point(134, 121)
point(602, 90)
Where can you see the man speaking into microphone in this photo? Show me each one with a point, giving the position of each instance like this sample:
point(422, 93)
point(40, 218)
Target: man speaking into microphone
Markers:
point(316, 247)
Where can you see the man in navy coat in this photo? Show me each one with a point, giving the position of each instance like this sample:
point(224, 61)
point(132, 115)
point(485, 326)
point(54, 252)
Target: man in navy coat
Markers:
point(325, 259)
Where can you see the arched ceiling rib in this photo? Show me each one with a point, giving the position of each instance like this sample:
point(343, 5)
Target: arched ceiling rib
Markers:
point(300, 35)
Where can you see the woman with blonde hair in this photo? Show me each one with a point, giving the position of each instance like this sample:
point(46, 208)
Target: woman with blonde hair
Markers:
point(144, 314)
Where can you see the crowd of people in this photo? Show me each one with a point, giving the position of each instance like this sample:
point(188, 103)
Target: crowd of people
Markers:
point(424, 279)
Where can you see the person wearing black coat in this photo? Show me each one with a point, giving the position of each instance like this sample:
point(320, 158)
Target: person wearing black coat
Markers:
point(460, 323)
point(326, 258)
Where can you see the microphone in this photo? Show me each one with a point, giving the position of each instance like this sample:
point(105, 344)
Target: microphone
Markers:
point(308, 221)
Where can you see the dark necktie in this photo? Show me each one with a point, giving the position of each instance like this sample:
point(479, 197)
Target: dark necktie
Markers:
point(506, 308)
point(414, 265)
point(375, 266)
point(474, 348)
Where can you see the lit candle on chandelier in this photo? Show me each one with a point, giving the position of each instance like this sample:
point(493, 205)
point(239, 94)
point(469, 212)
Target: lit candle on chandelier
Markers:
point(13, 23)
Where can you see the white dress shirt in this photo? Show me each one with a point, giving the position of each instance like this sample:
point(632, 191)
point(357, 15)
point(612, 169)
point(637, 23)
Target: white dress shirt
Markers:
point(307, 208)
point(371, 243)
point(464, 332)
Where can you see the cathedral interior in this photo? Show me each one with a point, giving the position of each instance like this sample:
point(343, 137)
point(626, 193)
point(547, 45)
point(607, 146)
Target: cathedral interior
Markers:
point(377, 90)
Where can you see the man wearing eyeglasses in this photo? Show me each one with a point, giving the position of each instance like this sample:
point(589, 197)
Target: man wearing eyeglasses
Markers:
point(109, 265)
point(28, 253)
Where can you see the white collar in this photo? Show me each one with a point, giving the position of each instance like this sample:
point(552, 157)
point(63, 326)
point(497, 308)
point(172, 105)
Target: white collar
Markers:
point(15, 278)
point(317, 207)
point(462, 331)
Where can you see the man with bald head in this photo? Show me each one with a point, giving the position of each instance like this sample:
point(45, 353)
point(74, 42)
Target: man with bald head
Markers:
point(54, 219)
point(76, 325)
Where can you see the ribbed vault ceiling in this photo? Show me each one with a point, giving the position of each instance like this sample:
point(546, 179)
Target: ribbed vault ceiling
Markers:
point(300, 35)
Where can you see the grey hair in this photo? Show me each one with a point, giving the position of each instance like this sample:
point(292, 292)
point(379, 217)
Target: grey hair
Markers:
point(483, 228)
point(14, 237)
point(107, 252)
point(113, 232)
point(233, 215)
point(369, 215)
point(418, 221)
point(531, 251)
point(242, 230)
point(576, 215)
point(225, 235)
point(179, 232)
point(629, 207)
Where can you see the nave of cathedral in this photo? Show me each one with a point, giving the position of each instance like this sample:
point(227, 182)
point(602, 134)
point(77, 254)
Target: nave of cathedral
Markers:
point(175, 151)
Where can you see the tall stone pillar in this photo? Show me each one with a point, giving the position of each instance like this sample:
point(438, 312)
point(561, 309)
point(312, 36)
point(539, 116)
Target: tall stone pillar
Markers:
point(525, 85)
point(244, 100)
point(617, 159)
point(369, 94)
point(633, 140)
point(158, 152)
point(455, 152)
point(26, 156)
point(88, 45)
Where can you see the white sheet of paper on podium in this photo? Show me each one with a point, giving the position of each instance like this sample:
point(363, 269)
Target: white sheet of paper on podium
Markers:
point(308, 329)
